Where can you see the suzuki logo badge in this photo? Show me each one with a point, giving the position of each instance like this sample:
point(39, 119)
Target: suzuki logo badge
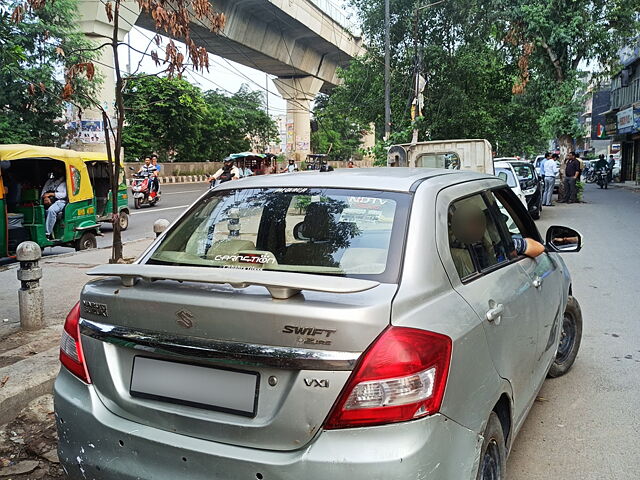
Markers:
point(185, 318)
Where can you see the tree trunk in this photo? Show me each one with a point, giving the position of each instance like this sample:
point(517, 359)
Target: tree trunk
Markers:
point(116, 251)
point(566, 145)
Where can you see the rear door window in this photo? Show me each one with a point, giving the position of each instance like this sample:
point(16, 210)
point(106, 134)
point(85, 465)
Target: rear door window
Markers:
point(475, 241)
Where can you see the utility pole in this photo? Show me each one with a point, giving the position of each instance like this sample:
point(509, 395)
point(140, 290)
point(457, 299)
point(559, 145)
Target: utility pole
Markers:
point(266, 83)
point(420, 82)
point(387, 68)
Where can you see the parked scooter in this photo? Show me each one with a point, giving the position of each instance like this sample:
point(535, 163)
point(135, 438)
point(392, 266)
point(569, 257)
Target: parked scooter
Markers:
point(141, 189)
point(602, 177)
point(590, 174)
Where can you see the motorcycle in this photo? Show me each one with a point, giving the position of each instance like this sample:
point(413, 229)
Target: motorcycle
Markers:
point(590, 174)
point(142, 194)
point(602, 177)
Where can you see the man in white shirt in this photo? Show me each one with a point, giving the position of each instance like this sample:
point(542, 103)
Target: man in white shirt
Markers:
point(549, 170)
point(54, 198)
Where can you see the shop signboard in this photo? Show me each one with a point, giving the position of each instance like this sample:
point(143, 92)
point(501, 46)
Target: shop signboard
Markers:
point(636, 117)
point(625, 121)
point(611, 124)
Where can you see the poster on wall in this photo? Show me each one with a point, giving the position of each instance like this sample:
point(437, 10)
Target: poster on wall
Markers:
point(636, 117)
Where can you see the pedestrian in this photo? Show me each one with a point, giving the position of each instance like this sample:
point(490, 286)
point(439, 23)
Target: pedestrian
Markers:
point(571, 175)
point(549, 169)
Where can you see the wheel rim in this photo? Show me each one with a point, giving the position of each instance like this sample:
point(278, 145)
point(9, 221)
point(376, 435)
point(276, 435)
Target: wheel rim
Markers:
point(491, 462)
point(123, 221)
point(567, 338)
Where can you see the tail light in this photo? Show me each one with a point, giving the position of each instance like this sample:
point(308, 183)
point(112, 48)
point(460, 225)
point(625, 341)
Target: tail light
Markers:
point(71, 355)
point(400, 377)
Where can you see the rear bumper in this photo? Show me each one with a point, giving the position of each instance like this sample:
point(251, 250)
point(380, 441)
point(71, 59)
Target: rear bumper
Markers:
point(95, 443)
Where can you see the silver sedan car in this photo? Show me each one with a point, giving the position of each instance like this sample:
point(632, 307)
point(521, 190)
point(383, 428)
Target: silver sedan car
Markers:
point(364, 324)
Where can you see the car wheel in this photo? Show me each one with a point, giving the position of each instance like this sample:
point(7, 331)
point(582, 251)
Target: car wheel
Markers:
point(569, 340)
point(536, 213)
point(493, 456)
point(123, 220)
point(86, 241)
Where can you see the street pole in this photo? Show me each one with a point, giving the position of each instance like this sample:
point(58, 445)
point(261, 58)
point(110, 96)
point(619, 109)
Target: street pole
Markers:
point(387, 68)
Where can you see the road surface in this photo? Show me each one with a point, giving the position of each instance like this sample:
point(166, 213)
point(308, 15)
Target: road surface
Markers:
point(586, 425)
point(175, 198)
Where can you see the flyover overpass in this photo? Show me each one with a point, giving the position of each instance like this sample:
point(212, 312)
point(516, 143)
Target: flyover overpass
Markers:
point(294, 40)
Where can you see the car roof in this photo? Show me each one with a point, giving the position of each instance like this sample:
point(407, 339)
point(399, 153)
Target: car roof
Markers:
point(506, 165)
point(520, 163)
point(399, 179)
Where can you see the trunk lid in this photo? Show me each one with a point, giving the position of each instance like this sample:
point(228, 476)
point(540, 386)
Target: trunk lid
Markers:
point(299, 351)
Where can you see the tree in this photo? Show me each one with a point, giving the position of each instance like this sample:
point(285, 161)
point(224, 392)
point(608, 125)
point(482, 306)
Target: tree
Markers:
point(34, 51)
point(159, 112)
point(337, 132)
point(556, 38)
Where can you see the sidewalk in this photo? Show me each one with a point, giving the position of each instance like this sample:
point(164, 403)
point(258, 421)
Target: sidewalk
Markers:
point(29, 359)
point(627, 185)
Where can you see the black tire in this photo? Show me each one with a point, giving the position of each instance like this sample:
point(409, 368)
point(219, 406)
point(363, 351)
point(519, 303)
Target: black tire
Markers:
point(493, 455)
point(570, 339)
point(86, 241)
point(536, 213)
point(123, 220)
point(136, 203)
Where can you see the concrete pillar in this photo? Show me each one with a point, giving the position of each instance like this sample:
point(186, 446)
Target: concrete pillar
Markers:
point(298, 92)
point(30, 295)
point(95, 25)
point(367, 142)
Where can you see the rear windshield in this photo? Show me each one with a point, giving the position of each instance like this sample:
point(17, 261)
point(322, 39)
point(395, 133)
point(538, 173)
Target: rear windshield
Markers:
point(354, 233)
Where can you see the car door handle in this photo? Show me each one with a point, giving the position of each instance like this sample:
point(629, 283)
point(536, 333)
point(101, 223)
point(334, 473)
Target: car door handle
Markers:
point(537, 282)
point(495, 313)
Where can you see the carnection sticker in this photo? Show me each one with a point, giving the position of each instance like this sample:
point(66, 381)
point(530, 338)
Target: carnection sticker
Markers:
point(359, 215)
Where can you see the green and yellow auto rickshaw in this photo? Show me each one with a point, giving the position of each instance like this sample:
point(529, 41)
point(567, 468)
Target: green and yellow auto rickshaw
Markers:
point(24, 171)
point(98, 166)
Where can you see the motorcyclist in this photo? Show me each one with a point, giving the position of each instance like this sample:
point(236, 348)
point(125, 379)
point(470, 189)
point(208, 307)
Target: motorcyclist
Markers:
point(149, 170)
point(601, 163)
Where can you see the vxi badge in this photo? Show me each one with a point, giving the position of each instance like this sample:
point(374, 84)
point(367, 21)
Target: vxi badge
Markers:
point(310, 335)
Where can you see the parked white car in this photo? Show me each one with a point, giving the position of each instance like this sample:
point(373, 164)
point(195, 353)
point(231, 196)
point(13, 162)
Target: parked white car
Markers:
point(505, 171)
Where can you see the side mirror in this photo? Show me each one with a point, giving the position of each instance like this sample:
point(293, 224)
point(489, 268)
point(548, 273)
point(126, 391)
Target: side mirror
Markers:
point(502, 176)
point(563, 239)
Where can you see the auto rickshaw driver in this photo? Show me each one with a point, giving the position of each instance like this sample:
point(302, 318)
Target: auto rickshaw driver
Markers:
point(54, 198)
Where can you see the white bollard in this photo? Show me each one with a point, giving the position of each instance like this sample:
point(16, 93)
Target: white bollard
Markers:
point(30, 295)
point(160, 226)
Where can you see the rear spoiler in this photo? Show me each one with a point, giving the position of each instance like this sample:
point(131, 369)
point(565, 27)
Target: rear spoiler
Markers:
point(281, 285)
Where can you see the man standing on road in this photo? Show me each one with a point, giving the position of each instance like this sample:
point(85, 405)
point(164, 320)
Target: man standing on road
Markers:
point(571, 175)
point(549, 169)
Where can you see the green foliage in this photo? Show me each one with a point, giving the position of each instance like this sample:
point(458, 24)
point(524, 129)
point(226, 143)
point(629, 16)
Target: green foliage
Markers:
point(31, 72)
point(177, 120)
point(473, 53)
point(338, 133)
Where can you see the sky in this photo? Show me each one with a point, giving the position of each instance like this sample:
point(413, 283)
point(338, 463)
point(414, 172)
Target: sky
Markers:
point(223, 74)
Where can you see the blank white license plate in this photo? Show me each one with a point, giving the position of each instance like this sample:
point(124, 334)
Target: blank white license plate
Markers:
point(224, 390)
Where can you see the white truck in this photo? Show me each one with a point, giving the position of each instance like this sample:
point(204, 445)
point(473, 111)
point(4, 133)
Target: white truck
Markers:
point(464, 154)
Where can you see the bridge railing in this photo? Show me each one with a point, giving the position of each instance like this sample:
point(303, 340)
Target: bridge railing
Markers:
point(337, 14)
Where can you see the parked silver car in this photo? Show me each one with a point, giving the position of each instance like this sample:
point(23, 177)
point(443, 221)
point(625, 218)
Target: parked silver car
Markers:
point(363, 324)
